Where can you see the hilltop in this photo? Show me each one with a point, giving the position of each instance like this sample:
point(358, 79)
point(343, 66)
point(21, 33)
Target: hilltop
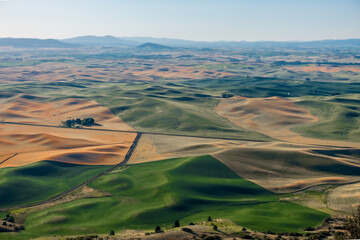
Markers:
point(153, 46)
point(34, 43)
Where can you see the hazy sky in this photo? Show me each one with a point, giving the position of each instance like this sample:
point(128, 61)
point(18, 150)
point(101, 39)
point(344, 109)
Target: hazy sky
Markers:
point(186, 19)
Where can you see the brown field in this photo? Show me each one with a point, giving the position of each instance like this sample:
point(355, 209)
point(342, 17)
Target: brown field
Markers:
point(23, 109)
point(274, 117)
point(344, 198)
point(114, 71)
point(278, 166)
point(155, 147)
point(81, 146)
point(282, 170)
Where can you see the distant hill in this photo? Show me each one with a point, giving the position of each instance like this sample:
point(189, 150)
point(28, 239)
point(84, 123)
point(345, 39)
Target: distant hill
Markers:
point(153, 46)
point(34, 43)
point(101, 41)
point(168, 43)
point(237, 44)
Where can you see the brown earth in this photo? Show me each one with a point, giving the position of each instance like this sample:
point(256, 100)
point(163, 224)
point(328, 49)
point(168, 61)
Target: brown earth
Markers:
point(109, 70)
point(23, 109)
point(80, 146)
point(274, 117)
point(278, 166)
point(345, 198)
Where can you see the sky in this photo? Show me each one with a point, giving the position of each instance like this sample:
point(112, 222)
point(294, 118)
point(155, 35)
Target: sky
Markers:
point(202, 20)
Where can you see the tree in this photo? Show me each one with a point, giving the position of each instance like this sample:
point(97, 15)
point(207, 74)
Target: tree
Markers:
point(352, 224)
point(157, 229)
point(209, 219)
point(4, 224)
point(227, 95)
point(112, 232)
point(215, 227)
point(87, 121)
point(177, 223)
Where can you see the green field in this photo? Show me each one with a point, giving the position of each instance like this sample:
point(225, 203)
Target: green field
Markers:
point(165, 108)
point(187, 106)
point(189, 189)
point(41, 181)
point(339, 117)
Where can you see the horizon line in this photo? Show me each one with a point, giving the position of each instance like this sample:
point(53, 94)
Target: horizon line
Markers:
point(313, 40)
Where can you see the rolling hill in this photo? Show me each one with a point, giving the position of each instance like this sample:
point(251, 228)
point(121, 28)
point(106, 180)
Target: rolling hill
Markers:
point(34, 43)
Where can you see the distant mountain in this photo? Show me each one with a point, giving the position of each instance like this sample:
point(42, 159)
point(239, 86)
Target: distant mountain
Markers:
point(237, 44)
point(153, 46)
point(34, 43)
point(101, 41)
point(166, 43)
point(163, 41)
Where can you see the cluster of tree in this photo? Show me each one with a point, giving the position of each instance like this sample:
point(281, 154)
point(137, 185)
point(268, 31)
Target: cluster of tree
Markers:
point(352, 226)
point(77, 123)
point(9, 218)
point(177, 224)
point(88, 237)
point(227, 95)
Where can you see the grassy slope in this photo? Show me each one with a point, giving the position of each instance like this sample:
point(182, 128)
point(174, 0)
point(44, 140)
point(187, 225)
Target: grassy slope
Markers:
point(269, 87)
point(339, 118)
point(40, 181)
point(158, 193)
point(339, 115)
point(154, 107)
point(187, 107)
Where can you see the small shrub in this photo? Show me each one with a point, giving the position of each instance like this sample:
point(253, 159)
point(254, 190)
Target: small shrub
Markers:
point(215, 227)
point(112, 232)
point(295, 234)
point(176, 223)
point(352, 224)
point(157, 229)
point(212, 238)
point(309, 229)
point(209, 219)
point(227, 95)
point(187, 230)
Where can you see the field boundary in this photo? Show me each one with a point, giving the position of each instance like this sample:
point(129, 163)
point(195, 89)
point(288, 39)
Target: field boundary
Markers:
point(141, 132)
point(122, 163)
point(8, 158)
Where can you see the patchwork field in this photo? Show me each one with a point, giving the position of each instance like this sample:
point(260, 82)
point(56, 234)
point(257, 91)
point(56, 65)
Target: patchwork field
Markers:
point(26, 144)
point(187, 189)
point(36, 110)
point(262, 138)
point(276, 117)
